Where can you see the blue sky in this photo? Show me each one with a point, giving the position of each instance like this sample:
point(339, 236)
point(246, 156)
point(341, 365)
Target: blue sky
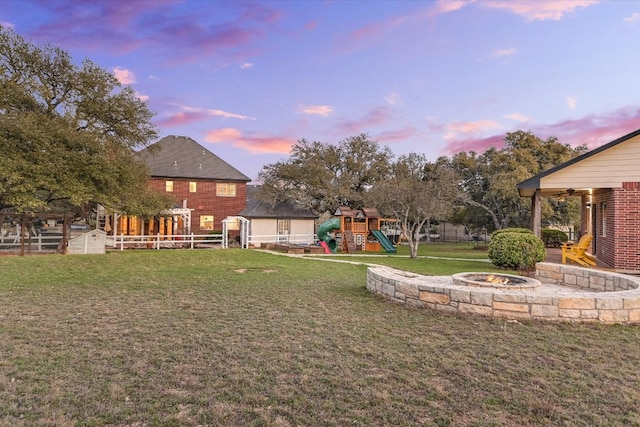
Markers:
point(249, 79)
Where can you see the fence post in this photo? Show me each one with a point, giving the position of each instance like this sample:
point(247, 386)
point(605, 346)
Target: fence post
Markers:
point(191, 240)
point(158, 241)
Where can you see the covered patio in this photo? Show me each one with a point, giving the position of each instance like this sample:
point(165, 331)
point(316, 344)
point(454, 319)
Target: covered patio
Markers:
point(607, 181)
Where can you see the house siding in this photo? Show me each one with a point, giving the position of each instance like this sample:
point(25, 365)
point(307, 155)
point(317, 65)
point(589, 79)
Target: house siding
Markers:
point(609, 169)
point(619, 244)
point(204, 201)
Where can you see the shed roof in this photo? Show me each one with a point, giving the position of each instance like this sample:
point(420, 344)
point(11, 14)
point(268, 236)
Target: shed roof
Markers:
point(256, 208)
point(182, 157)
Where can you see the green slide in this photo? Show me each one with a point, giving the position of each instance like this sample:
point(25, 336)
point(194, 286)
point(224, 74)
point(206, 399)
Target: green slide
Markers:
point(386, 243)
point(325, 233)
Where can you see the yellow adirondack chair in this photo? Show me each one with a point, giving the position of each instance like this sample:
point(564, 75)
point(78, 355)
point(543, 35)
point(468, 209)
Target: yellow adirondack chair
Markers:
point(577, 252)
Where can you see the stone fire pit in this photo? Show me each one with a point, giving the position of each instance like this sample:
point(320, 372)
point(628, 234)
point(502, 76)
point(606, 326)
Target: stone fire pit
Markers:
point(495, 280)
point(558, 293)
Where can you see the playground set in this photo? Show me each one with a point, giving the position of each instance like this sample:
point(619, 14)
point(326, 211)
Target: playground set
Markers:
point(352, 230)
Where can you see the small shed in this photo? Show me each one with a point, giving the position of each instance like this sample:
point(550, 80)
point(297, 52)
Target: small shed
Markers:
point(281, 222)
point(92, 242)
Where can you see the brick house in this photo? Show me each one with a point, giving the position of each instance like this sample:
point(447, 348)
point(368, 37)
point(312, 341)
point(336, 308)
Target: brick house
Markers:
point(199, 181)
point(607, 180)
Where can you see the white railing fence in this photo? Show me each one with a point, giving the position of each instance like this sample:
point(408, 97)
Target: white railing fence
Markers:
point(158, 241)
point(294, 239)
point(44, 243)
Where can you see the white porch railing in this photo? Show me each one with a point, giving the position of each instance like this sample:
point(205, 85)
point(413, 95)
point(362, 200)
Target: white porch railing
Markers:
point(158, 241)
point(295, 239)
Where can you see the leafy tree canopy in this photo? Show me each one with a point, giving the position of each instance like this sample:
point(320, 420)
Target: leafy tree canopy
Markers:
point(68, 133)
point(321, 176)
point(490, 180)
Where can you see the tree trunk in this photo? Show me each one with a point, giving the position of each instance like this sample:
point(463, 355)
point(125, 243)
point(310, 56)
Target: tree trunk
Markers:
point(413, 248)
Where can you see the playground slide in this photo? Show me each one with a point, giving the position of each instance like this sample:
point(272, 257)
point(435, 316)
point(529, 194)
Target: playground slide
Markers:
point(386, 243)
point(325, 235)
point(325, 247)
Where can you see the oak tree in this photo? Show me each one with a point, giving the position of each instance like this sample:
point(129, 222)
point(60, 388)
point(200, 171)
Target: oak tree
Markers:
point(68, 132)
point(490, 180)
point(322, 176)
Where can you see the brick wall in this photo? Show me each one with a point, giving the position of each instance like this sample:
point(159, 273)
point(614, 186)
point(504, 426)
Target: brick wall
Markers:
point(204, 201)
point(619, 245)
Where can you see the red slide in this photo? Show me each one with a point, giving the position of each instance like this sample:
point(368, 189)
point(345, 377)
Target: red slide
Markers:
point(325, 246)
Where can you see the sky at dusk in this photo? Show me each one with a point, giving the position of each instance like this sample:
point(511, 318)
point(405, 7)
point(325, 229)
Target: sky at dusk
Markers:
point(249, 79)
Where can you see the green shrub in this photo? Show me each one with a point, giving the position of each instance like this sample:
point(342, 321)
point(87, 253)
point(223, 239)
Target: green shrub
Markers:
point(516, 249)
point(553, 238)
point(511, 230)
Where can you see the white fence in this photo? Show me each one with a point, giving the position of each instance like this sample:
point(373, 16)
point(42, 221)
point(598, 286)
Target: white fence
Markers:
point(294, 239)
point(157, 241)
point(194, 241)
point(44, 243)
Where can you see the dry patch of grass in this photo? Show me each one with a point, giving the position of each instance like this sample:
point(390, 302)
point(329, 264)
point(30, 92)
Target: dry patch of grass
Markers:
point(181, 338)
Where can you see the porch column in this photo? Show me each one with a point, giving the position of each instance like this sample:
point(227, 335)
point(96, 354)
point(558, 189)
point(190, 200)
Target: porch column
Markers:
point(536, 214)
point(585, 215)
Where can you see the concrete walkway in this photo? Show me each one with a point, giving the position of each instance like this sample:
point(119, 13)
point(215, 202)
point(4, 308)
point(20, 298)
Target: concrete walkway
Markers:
point(554, 255)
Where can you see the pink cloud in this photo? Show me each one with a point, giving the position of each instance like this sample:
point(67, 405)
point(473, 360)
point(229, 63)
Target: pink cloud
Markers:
point(375, 30)
point(399, 135)
point(504, 52)
point(141, 97)
point(222, 135)
point(447, 6)
point(517, 117)
point(181, 118)
point(316, 110)
point(374, 117)
point(633, 19)
point(164, 28)
point(592, 130)
point(253, 144)
point(124, 76)
point(478, 145)
point(189, 115)
point(452, 130)
point(536, 10)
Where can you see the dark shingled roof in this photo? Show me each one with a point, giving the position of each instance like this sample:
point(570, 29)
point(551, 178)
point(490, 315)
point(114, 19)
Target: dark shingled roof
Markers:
point(182, 157)
point(259, 209)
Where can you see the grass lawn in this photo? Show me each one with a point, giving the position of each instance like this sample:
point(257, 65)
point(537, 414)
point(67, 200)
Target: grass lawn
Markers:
point(241, 337)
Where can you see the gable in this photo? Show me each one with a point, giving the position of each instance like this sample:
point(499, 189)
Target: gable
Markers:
point(182, 157)
point(605, 167)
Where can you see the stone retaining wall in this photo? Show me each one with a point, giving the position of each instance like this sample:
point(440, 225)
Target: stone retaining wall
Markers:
point(589, 295)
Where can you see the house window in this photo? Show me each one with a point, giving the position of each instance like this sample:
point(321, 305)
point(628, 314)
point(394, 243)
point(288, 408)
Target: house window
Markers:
point(192, 187)
point(603, 213)
point(168, 185)
point(206, 222)
point(284, 226)
point(225, 189)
